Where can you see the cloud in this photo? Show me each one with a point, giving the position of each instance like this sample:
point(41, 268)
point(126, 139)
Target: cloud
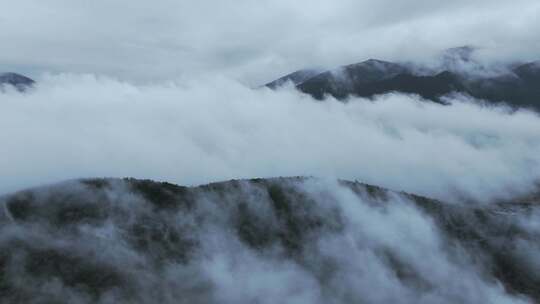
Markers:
point(211, 129)
point(244, 39)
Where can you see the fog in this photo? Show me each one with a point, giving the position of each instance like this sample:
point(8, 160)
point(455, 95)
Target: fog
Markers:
point(200, 130)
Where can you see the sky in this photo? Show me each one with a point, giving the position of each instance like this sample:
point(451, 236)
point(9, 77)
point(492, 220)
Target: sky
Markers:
point(252, 41)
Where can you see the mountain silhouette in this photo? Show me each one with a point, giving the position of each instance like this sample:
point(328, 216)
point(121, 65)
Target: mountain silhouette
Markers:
point(518, 87)
point(20, 82)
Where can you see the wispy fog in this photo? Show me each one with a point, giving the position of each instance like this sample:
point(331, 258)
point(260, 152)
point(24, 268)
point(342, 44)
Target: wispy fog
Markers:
point(195, 131)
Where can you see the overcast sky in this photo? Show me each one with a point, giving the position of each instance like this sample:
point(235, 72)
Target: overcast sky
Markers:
point(252, 41)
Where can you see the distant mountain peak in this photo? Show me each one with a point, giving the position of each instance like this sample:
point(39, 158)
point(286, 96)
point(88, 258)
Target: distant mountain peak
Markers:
point(296, 78)
point(529, 72)
point(457, 71)
point(534, 65)
point(20, 82)
point(372, 69)
point(376, 62)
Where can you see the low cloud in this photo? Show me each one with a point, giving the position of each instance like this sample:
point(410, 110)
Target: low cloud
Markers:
point(210, 129)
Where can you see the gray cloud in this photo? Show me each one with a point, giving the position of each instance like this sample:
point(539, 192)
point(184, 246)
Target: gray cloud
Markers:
point(252, 41)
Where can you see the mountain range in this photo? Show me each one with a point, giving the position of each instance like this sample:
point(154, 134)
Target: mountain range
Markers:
point(517, 85)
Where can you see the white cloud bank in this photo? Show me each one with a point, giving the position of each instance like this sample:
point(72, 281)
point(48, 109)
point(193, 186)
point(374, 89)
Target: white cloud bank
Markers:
point(212, 129)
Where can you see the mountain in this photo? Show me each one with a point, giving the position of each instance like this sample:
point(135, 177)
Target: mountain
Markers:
point(20, 82)
point(345, 80)
point(429, 87)
point(139, 241)
point(519, 87)
point(529, 72)
point(296, 78)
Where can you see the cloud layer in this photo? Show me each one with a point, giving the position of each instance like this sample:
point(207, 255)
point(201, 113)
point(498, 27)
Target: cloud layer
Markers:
point(212, 129)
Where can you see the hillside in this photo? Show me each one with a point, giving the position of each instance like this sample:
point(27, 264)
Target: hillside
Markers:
point(320, 241)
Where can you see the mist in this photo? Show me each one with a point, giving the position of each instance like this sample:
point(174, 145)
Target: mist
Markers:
point(199, 130)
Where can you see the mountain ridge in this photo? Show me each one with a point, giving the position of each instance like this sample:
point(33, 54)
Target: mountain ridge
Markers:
point(518, 87)
point(137, 239)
